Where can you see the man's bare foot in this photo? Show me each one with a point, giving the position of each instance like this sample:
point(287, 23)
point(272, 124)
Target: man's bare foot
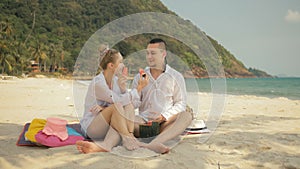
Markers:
point(89, 147)
point(130, 142)
point(157, 147)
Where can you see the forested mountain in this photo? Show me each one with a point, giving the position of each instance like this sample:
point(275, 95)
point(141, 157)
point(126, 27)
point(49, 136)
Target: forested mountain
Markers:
point(52, 32)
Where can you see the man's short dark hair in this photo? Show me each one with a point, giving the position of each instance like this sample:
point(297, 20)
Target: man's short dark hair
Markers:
point(163, 44)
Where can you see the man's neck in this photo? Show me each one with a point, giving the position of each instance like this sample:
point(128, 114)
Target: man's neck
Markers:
point(155, 72)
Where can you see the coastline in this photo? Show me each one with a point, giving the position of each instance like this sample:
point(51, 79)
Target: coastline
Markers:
point(253, 132)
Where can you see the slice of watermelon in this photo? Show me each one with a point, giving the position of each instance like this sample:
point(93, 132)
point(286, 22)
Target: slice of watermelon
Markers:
point(149, 123)
point(142, 72)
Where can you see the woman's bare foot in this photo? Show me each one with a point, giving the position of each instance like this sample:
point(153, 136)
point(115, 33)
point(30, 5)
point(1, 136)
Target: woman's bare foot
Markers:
point(89, 147)
point(130, 142)
point(157, 147)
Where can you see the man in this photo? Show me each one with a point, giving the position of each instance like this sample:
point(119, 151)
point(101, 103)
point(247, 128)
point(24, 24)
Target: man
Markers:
point(163, 100)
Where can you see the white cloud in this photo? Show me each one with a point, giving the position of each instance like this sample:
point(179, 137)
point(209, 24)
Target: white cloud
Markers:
point(292, 16)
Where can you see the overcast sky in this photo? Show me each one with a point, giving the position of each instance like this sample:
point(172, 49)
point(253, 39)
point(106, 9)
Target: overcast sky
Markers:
point(263, 34)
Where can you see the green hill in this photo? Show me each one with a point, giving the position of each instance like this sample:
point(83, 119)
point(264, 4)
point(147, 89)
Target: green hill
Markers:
point(52, 33)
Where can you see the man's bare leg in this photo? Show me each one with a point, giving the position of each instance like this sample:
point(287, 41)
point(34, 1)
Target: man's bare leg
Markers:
point(169, 132)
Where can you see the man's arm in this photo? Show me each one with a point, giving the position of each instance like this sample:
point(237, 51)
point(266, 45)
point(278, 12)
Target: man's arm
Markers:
point(179, 98)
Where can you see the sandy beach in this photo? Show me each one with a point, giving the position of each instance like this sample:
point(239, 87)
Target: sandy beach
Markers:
point(254, 132)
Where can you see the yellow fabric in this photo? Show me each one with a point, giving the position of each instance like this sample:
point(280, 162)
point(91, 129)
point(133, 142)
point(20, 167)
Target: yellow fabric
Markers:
point(35, 126)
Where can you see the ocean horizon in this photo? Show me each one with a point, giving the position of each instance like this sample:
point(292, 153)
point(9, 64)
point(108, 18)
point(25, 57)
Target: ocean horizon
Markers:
point(288, 87)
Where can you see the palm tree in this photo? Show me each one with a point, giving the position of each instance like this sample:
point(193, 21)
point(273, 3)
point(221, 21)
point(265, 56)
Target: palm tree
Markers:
point(53, 56)
point(20, 54)
point(32, 27)
point(38, 53)
point(6, 30)
point(5, 59)
point(5, 44)
point(56, 55)
point(61, 55)
point(44, 59)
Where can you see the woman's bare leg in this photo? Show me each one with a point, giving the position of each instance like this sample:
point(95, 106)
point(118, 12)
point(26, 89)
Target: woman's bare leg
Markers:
point(123, 122)
point(111, 139)
point(129, 111)
point(110, 124)
point(99, 129)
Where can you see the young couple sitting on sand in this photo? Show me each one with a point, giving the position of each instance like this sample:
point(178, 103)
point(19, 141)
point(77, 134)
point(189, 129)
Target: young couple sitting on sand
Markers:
point(159, 93)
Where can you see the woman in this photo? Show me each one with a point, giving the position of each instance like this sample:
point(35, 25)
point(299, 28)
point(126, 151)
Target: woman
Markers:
point(109, 114)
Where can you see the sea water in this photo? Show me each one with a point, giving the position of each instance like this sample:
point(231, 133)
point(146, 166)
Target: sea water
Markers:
point(266, 87)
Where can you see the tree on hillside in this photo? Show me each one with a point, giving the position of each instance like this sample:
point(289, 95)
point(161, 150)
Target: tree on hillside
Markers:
point(6, 60)
point(37, 50)
point(54, 32)
point(20, 53)
point(55, 56)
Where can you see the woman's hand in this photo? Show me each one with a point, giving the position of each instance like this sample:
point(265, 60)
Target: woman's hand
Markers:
point(96, 109)
point(122, 79)
point(122, 73)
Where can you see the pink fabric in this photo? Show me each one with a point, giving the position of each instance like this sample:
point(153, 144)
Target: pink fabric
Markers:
point(57, 127)
point(54, 141)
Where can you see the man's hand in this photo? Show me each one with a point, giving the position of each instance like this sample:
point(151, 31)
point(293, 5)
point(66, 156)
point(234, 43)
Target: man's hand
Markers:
point(143, 81)
point(160, 119)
